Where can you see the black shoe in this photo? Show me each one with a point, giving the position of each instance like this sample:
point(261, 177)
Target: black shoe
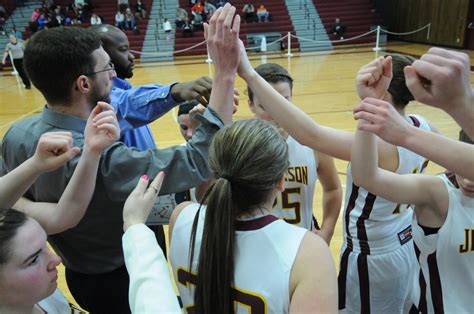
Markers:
point(28, 87)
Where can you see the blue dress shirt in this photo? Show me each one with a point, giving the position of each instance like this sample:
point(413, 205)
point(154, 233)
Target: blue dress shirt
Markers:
point(138, 106)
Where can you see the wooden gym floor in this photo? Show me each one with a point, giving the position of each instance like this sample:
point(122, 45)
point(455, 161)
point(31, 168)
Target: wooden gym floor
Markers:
point(323, 88)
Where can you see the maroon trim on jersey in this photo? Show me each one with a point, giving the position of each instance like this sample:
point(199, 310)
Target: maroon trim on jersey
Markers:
point(254, 224)
point(422, 307)
point(342, 278)
point(424, 165)
point(315, 223)
point(361, 230)
point(364, 287)
point(451, 176)
point(435, 284)
point(413, 310)
point(416, 122)
point(349, 208)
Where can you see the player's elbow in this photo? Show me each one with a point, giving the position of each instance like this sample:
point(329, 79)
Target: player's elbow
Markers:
point(361, 179)
point(357, 178)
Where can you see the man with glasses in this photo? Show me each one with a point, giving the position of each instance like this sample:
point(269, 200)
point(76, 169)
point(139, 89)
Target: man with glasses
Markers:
point(72, 81)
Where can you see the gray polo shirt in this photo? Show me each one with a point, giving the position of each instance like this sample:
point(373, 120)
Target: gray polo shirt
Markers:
point(16, 50)
point(94, 246)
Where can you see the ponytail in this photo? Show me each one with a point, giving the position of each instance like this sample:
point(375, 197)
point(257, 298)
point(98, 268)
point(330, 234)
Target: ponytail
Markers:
point(247, 160)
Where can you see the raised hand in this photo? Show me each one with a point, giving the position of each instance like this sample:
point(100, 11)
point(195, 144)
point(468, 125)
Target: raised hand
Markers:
point(381, 118)
point(222, 35)
point(140, 202)
point(441, 78)
point(102, 128)
point(54, 150)
point(199, 89)
point(245, 69)
point(373, 79)
point(192, 116)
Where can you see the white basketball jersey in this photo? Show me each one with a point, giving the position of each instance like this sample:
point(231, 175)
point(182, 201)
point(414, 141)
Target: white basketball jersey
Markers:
point(266, 249)
point(444, 279)
point(295, 203)
point(374, 225)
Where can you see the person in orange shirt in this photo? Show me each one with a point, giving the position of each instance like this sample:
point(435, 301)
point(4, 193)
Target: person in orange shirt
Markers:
point(262, 13)
point(197, 8)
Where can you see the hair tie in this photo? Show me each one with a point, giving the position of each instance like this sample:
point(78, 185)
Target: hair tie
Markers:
point(227, 177)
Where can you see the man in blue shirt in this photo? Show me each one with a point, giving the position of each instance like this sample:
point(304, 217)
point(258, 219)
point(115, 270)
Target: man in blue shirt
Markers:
point(138, 106)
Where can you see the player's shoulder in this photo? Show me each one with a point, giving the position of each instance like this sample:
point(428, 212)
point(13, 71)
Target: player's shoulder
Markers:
point(177, 212)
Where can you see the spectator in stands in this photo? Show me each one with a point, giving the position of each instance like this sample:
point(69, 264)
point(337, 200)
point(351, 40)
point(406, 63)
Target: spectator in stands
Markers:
point(181, 16)
point(197, 9)
point(249, 13)
point(35, 15)
point(16, 49)
point(58, 17)
point(42, 20)
point(140, 10)
point(130, 22)
point(81, 16)
point(17, 33)
point(120, 20)
point(262, 14)
point(167, 29)
point(95, 19)
point(197, 21)
point(33, 23)
point(187, 27)
point(209, 10)
point(338, 29)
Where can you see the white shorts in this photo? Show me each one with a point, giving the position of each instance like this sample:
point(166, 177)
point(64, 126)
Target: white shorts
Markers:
point(376, 283)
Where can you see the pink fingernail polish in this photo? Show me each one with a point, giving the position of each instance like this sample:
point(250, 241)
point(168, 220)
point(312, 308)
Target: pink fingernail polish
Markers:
point(145, 177)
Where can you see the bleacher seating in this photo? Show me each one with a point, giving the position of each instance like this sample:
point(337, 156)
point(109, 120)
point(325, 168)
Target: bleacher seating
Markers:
point(279, 22)
point(107, 9)
point(357, 15)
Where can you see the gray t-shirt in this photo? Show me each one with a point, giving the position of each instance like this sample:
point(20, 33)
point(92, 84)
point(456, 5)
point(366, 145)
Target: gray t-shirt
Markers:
point(16, 50)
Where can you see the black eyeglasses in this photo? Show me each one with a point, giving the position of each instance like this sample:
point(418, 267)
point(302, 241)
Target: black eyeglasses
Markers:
point(110, 67)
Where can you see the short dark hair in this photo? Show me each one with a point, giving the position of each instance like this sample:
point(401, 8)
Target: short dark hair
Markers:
point(10, 221)
point(187, 106)
point(272, 73)
point(54, 58)
point(398, 89)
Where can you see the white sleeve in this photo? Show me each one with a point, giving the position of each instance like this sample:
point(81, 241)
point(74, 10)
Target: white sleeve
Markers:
point(150, 290)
